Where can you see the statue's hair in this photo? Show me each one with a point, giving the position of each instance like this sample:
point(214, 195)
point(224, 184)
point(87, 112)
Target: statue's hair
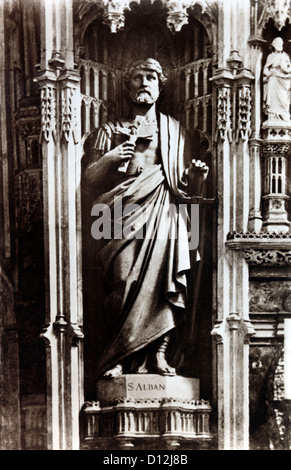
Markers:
point(145, 64)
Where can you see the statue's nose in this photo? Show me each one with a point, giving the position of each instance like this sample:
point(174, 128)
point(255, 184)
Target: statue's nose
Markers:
point(144, 81)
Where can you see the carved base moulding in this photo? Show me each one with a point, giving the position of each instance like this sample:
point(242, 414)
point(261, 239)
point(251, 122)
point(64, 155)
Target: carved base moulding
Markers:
point(262, 249)
point(262, 240)
point(151, 410)
point(276, 131)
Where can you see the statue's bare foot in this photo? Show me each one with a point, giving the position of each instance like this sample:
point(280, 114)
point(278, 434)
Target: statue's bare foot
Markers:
point(162, 367)
point(116, 371)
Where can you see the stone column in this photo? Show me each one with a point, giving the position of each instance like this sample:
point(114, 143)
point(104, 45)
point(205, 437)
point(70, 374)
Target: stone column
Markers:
point(60, 135)
point(232, 336)
point(255, 215)
point(232, 327)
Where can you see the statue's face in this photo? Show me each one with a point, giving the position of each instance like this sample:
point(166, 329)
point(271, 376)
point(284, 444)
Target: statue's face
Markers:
point(278, 45)
point(144, 86)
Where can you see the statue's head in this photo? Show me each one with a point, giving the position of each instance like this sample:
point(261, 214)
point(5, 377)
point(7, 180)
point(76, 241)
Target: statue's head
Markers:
point(144, 80)
point(278, 44)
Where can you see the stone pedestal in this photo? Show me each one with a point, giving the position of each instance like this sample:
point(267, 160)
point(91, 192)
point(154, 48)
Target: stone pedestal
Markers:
point(146, 412)
point(276, 152)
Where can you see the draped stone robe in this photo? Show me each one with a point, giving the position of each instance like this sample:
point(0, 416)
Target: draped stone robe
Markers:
point(277, 82)
point(146, 274)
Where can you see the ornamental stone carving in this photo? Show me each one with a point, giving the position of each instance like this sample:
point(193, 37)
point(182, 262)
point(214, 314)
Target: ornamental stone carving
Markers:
point(224, 113)
point(234, 325)
point(48, 111)
point(251, 237)
point(275, 152)
point(113, 11)
point(136, 419)
point(278, 10)
point(114, 14)
point(280, 149)
point(177, 15)
point(264, 10)
point(28, 199)
point(26, 129)
point(270, 296)
point(68, 100)
point(244, 112)
point(268, 257)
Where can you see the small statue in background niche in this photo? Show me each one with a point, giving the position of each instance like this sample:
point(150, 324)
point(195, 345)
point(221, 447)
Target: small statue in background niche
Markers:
point(277, 80)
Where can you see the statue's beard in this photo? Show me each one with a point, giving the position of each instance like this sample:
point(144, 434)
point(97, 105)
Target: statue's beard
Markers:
point(142, 98)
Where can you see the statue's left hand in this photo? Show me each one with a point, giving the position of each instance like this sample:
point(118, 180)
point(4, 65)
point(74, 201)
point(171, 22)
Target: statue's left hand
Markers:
point(195, 175)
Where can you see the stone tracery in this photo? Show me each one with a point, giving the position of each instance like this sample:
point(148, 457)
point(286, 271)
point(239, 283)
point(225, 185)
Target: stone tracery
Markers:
point(114, 11)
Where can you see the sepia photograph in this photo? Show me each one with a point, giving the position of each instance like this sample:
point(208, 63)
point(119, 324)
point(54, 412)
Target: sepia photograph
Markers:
point(145, 240)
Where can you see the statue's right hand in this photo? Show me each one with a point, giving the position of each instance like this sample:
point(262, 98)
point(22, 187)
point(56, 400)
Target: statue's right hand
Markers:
point(122, 152)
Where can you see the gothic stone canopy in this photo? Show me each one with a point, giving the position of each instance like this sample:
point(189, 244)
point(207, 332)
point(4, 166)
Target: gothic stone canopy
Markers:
point(114, 11)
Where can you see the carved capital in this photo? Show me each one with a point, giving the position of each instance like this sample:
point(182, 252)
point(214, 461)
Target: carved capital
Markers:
point(233, 323)
point(244, 77)
point(115, 21)
point(61, 326)
point(46, 334)
point(76, 334)
point(257, 42)
point(249, 331)
point(218, 332)
point(176, 19)
point(234, 61)
point(57, 61)
point(223, 77)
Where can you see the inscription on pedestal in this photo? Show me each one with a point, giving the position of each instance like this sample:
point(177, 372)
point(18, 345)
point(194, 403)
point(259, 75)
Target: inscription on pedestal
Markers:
point(147, 386)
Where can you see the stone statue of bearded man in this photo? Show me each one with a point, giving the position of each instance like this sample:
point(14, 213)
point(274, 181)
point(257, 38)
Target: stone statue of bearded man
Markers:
point(147, 165)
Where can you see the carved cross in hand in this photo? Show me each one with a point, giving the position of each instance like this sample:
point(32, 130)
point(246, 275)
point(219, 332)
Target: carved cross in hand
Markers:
point(138, 130)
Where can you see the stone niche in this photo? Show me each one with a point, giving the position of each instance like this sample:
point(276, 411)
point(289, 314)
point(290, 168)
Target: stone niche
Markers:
point(146, 412)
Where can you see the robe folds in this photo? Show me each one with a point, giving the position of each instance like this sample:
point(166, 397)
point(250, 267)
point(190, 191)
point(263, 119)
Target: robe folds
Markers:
point(146, 269)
